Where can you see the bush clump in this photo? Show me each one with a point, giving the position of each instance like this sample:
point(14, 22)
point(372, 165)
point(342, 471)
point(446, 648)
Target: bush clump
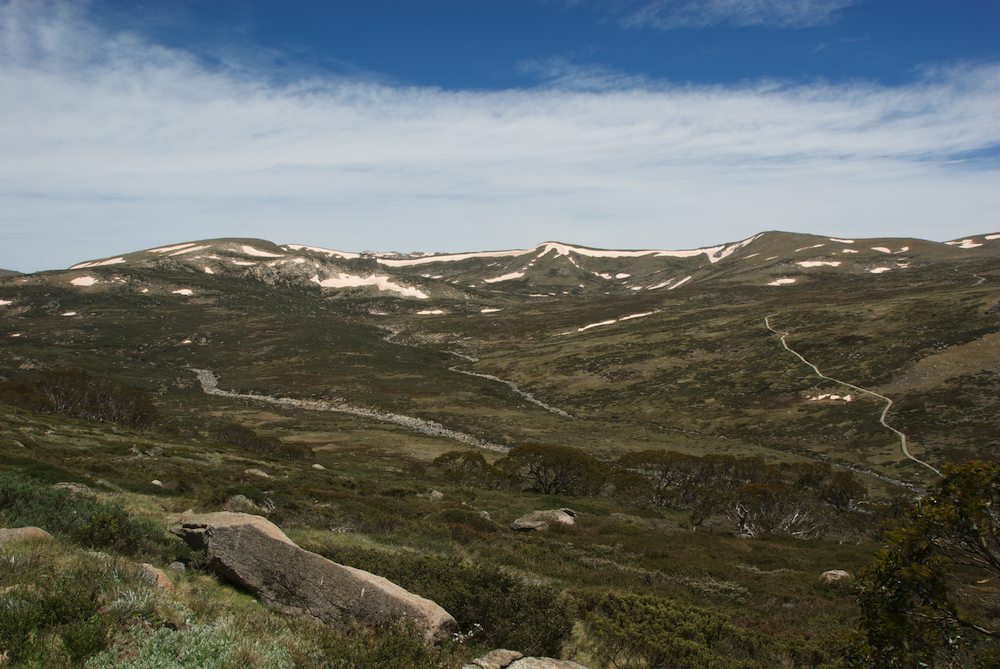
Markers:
point(242, 437)
point(73, 392)
point(83, 520)
point(498, 609)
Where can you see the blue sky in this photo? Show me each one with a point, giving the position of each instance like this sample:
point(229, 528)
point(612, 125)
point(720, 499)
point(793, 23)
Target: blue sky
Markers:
point(464, 125)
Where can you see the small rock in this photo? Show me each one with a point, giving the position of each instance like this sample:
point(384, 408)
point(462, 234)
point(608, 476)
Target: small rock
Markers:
point(834, 576)
point(253, 471)
point(318, 466)
point(539, 521)
point(435, 495)
point(240, 504)
point(495, 659)
point(14, 534)
point(157, 482)
point(177, 567)
point(157, 576)
point(155, 452)
point(544, 663)
point(74, 488)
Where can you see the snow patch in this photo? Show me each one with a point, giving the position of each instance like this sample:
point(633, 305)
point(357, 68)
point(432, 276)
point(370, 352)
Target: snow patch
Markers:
point(488, 310)
point(379, 281)
point(819, 263)
point(68, 313)
point(965, 243)
point(505, 277)
point(430, 312)
point(680, 283)
point(781, 282)
point(167, 249)
point(317, 249)
point(841, 241)
point(84, 281)
point(4, 303)
point(849, 251)
point(190, 250)
point(15, 334)
point(903, 250)
point(883, 249)
point(244, 263)
point(878, 270)
point(257, 253)
point(829, 396)
point(631, 316)
point(596, 325)
point(622, 275)
point(806, 248)
point(992, 237)
point(183, 291)
point(209, 270)
point(99, 263)
point(449, 257)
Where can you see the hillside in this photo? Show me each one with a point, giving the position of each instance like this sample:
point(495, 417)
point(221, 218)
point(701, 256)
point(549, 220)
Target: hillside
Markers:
point(360, 375)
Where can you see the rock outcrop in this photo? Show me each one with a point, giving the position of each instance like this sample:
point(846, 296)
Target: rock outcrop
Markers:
point(251, 552)
point(834, 576)
point(11, 535)
point(539, 521)
point(511, 659)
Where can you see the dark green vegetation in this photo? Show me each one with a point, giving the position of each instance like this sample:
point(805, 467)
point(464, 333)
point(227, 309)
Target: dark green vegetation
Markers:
point(688, 427)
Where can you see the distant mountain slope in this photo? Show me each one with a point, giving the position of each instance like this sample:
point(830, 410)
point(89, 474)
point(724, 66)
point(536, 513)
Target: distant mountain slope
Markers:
point(610, 349)
point(551, 268)
point(8, 272)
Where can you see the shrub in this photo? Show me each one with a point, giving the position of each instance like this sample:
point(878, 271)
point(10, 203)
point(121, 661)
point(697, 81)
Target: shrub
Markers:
point(510, 612)
point(83, 520)
point(554, 470)
point(646, 632)
point(73, 392)
point(242, 437)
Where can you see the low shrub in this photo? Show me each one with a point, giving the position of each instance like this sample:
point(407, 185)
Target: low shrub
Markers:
point(83, 520)
point(73, 392)
point(499, 609)
point(242, 437)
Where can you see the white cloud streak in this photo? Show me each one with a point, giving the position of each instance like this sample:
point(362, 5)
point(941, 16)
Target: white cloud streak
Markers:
point(676, 14)
point(112, 144)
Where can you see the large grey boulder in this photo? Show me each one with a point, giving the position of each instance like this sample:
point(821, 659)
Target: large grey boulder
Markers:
point(253, 553)
point(11, 535)
point(539, 521)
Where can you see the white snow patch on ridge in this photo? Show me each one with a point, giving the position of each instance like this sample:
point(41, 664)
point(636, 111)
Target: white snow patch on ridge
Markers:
point(819, 263)
point(84, 281)
point(166, 249)
point(183, 291)
point(841, 241)
point(992, 237)
point(4, 303)
point(878, 270)
point(379, 281)
point(883, 249)
point(99, 263)
point(190, 250)
point(680, 283)
point(610, 322)
point(965, 243)
point(488, 310)
point(829, 396)
point(317, 249)
point(449, 257)
point(430, 312)
point(505, 277)
point(806, 248)
point(781, 282)
point(257, 253)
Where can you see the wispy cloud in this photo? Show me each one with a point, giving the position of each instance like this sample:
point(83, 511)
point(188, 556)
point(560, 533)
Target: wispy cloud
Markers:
point(111, 143)
point(674, 14)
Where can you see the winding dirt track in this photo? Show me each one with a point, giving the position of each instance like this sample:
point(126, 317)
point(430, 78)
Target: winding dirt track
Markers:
point(210, 386)
point(888, 402)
